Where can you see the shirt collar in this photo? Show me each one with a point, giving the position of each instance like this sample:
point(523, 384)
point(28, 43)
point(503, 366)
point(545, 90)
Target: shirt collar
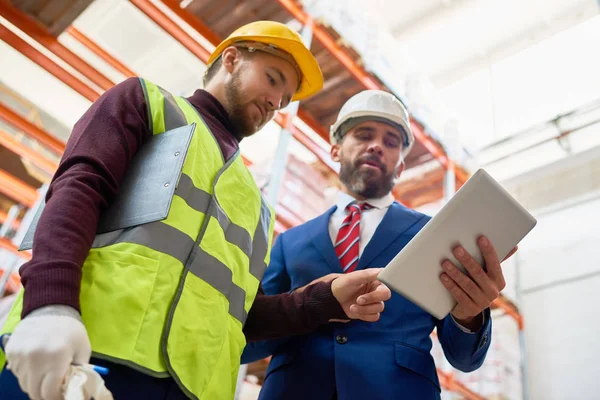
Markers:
point(345, 199)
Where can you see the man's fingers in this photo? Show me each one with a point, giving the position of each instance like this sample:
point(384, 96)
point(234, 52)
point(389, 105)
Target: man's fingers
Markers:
point(459, 295)
point(476, 274)
point(375, 308)
point(465, 284)
point(363, 276)
point(380, 292)
point(492, 263)
point(51, 386)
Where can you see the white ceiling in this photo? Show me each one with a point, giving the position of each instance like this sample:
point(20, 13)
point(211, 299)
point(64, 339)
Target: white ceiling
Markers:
point(499, 67)
point(451, 38)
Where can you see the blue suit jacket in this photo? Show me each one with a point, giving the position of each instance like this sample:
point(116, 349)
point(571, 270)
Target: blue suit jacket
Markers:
point(388, 359)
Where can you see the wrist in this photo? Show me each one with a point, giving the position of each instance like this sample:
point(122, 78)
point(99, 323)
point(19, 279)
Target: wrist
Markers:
point(471, 323)
point(51, 287)
point(324, 304)
point(55, 310)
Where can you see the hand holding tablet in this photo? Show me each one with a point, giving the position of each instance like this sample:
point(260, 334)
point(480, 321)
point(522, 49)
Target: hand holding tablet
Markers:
point(476, 290)
point(481, 208)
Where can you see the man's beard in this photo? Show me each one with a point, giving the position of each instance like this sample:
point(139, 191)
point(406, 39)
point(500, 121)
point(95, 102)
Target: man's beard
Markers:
point(236, 108)
point(364, 182)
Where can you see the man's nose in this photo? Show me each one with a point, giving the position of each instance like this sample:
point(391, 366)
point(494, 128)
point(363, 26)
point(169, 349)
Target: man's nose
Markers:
point(375, 147)
point(274, 102)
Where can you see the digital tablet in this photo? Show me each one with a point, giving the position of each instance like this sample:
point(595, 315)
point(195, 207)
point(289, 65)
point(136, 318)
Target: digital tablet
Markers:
point(480, 207)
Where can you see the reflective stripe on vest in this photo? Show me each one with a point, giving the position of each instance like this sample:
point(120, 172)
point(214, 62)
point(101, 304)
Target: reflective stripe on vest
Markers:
point(169, 240)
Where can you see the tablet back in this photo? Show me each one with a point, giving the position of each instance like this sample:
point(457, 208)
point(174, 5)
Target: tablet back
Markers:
point(480, 207)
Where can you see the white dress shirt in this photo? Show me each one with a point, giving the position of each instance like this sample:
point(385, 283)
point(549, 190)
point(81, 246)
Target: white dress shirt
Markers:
point(369, 221)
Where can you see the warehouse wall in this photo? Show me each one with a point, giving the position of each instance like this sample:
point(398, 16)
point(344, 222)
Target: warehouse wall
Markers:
point(560, 276)
point(559, 272)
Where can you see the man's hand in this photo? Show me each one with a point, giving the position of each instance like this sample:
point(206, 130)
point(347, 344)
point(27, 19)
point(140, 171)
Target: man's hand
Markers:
point(360, 294)
point(474, 292)
point(326, 278)
point(43, 346)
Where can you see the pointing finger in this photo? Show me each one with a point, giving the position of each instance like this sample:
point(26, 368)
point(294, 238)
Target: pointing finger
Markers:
point(380, 293)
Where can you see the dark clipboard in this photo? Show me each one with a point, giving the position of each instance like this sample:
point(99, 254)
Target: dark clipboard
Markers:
point(148, 185)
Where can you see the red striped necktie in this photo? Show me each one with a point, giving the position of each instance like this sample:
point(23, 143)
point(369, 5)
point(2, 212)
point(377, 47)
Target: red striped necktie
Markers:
point(347, 241)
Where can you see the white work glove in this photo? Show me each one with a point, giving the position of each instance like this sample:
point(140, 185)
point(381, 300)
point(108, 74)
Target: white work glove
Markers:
point(42, 348)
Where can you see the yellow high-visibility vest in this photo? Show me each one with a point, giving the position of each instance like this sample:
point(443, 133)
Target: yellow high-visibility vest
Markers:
point(170, 298)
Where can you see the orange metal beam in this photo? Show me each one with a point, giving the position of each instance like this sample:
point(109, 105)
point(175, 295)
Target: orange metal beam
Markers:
point(429, 144)
point(448, 382)
point(361, 75)
point(508, 309)
point(307, 142)
point(436, 151)
point(99, 51)
point(39, 33)
point(40, 59)
point(17, 190)
point(330, 44)
point(279, 228)
point(287, 217)
point(172, 29)
point(313, 124)
point(8, 245)
point(193, 21)
point(283, 221)
point(19, 122)
point(27, 153)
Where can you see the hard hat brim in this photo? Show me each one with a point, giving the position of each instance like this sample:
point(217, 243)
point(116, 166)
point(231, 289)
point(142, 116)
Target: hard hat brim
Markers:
point(312, 77)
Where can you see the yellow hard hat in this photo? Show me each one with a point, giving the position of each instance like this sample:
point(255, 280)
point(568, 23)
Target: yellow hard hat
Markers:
point(280, 37)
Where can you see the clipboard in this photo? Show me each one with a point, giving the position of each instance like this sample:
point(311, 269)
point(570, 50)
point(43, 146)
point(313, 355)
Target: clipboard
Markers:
point(147, 188)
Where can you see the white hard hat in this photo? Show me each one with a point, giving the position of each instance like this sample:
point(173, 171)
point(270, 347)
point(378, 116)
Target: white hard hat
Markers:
point(373, 105)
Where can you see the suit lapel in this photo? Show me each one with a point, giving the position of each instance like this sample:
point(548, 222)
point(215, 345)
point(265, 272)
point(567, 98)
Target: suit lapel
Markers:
point(322, 241)
point(394, 223)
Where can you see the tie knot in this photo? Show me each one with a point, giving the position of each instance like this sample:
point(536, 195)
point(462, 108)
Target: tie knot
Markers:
point(358, 207)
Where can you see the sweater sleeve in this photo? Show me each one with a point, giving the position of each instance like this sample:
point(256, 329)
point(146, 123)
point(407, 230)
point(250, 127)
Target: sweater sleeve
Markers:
point(289, 314)
point(97, 154)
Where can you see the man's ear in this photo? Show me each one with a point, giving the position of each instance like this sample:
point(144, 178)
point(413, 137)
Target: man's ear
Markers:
point(231, 57)
point(399, 170)
point(335, 152)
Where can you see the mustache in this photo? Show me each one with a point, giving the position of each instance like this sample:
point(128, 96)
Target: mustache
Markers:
point(371, 159)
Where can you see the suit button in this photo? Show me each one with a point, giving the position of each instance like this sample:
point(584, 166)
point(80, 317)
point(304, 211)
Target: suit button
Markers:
point(484, 341)
point(341, 339)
